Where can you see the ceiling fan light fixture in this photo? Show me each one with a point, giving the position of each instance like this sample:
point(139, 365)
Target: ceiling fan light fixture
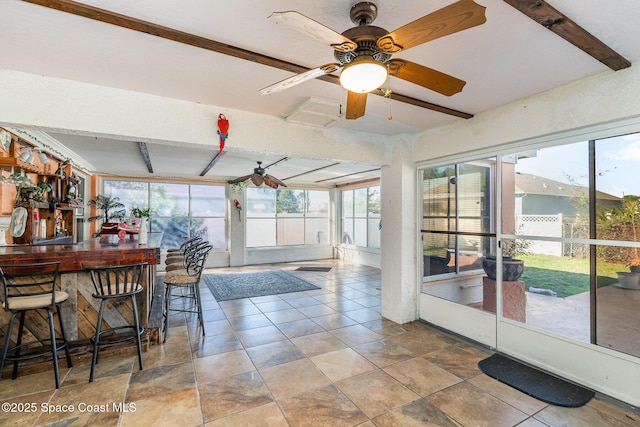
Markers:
point(363, 75)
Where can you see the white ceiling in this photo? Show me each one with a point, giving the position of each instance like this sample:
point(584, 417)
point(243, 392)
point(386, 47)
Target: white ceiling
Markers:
point(508, 58)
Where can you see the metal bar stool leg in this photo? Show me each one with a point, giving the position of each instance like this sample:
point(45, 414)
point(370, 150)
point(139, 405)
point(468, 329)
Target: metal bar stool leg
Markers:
point(14, 375)
point(167, 302)
point(196, 287)
point(54, 348)
point(7, 340)
point(64, 337)
point(96, 342)
point(138, 331)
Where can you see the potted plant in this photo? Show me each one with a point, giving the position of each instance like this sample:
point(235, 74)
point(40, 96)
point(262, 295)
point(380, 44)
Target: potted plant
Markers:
point(111, 210)
point(512, 268)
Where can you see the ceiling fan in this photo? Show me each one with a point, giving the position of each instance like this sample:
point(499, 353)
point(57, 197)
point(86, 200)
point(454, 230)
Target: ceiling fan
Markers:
point(258, 177)
point(364, 53)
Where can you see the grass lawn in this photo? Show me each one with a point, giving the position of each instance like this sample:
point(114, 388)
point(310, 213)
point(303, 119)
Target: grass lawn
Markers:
point(565, 276)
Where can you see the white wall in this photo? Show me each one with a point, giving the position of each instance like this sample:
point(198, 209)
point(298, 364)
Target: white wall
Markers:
point(50, 104)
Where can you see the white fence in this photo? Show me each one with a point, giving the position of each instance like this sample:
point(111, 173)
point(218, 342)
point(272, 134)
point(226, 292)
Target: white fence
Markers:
point(541, 225)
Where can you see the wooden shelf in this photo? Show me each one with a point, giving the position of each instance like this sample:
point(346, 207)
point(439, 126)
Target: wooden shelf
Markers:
point(17, 163)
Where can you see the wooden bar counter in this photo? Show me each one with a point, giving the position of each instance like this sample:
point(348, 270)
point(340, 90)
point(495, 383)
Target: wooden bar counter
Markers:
point(80, 311)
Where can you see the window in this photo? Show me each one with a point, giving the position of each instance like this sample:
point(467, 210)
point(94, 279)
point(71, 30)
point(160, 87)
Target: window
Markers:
point(361, 221)
point(178, 210)
point(456, 222)
point(287, 217)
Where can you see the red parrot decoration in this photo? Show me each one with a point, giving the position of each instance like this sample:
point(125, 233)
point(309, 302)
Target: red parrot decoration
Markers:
point(223, 130)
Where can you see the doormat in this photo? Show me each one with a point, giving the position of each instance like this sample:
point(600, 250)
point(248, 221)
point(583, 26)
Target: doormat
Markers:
point(229, 286)
point(535, 383)
point(313, 269)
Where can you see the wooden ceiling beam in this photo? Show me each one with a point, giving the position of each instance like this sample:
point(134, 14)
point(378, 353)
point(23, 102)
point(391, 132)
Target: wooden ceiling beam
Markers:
point(145, 155)
point(213, 161)
point(150, 28)
point(554, 20)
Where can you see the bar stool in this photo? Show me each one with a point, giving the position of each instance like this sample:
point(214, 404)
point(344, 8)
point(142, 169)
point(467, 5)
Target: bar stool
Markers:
point(110, 284)
point(187, 280)
point(32, 287)
point(181, 249)
point(180, 262)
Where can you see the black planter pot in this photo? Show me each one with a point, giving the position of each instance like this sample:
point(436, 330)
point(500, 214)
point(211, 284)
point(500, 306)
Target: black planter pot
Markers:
point(635, 268)
point(512, 269)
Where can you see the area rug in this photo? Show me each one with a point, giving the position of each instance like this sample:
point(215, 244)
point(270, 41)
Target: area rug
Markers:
point(229, 286)
point(303, 268)
point(535, 383)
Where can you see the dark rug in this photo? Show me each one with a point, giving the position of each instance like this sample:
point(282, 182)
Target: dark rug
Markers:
point(535, 383)
point(230, 286)
point(313, 269)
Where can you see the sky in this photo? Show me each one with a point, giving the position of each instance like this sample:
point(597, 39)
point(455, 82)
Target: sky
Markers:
point(617, 164)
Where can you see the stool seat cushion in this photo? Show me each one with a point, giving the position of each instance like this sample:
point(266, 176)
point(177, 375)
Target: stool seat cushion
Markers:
point(31, 302)
point(113, 291)
point(179, 277)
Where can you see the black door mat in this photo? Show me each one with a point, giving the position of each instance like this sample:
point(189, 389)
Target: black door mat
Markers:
point(535, 383)
point(313, 269)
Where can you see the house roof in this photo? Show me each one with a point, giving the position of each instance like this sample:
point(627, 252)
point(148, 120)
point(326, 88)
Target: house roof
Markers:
point(538, 185)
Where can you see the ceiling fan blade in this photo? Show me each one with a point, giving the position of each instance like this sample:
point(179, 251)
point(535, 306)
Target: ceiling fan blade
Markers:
point(241, 179)
point(425, 77)
point(300, 78)
point(461, 15)
point(356, 104)
point(308, 26)
point(257, 179)
point(273, 182)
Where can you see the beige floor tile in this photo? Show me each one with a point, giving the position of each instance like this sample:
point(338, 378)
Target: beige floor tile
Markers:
point(323, 342)
point(268, 415)
point(325, 406)
point(28, 384)
point(355, 335)
point(73, 401)
point(216, 344)
point(291, 378)
point(594, 414)
point(24, 410)
point(383, 352)
point(460, 362)
point(299, 328)
point(232, 395)
point(469, 406)
point(341, 364)
point(417, 413)
point(160, 380)
point(274, 353)
point(223, 365)
point(376, 392)
point(260, 336)
point(422, 376)
point(171, 408)
point(510, 395)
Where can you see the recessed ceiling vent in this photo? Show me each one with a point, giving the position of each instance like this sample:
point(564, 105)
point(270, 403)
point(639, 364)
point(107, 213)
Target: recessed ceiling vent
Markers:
point(316, 112)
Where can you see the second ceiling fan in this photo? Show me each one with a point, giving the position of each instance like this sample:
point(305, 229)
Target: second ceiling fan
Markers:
point(364, 53)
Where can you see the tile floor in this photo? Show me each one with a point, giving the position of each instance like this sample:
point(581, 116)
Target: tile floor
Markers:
point(317, 358)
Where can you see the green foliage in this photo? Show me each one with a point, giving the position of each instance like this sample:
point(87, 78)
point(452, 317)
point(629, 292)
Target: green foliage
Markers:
point(565, 276)
point(111, 208)
point(289, 202)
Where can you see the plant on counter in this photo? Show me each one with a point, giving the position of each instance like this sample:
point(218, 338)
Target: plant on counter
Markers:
point(141, 212)
point(111, 208)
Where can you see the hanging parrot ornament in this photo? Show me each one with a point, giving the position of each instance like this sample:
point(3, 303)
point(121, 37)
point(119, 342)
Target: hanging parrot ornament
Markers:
point(223, 130)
